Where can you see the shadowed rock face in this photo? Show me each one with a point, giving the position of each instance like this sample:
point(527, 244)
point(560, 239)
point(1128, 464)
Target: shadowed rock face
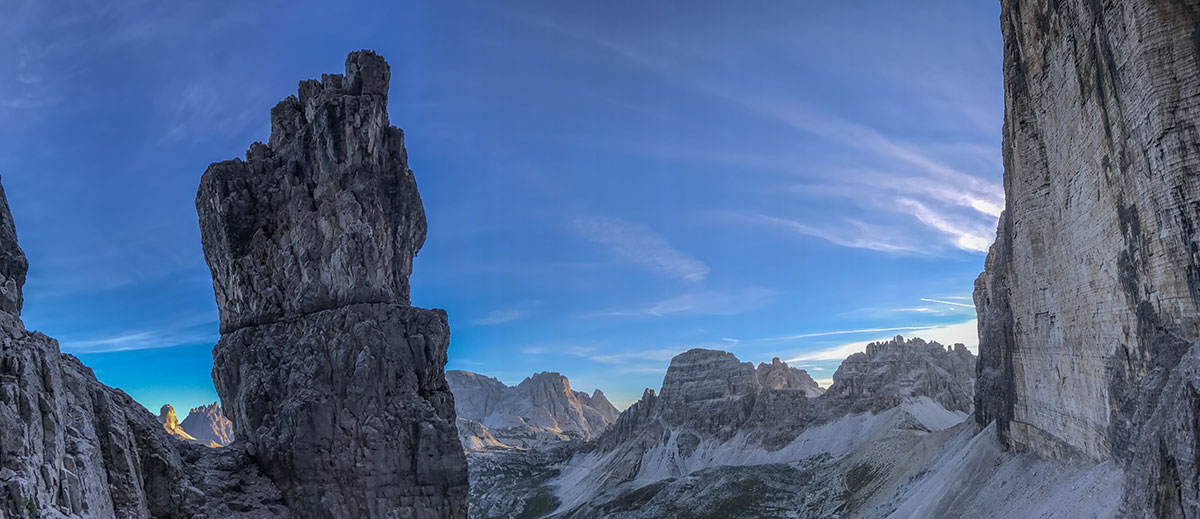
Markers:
point(73, 447)
point(1089, 309)
point(325, 215)
point(13, 265)
point(332, 380)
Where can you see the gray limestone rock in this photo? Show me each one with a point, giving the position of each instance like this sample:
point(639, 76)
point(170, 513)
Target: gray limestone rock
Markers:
point(208, 425)
point(1090, 305)
point(778, 375)
point(541, 410)
point(889, 372)
point(13, 265)
point(333, 383)
point(325, 215)
point(72, 447)
point(718, 420)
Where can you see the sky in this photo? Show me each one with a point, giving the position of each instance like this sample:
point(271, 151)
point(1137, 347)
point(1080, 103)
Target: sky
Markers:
point(607, 184)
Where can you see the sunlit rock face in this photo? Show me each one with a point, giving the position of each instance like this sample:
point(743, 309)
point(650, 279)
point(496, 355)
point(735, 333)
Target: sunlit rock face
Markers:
point(333, 381)
point(170, 423)
point(208, 425)
point(1089, 308)
point(73, 447)
point(542, 410)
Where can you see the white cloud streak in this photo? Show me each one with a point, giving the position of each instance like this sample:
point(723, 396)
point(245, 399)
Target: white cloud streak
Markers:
point(964, 333)
point(501, 316)
point(952, 303)
point(705, 302)
point(639, 244)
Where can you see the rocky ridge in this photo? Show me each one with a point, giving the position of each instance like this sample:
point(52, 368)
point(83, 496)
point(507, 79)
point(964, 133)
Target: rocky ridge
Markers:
point(1089, 306)
point(541, 410)
point(208, 425)
point(764, 437)
point(310, 242)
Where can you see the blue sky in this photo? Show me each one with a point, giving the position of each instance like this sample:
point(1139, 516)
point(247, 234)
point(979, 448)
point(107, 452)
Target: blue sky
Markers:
point(606, 183)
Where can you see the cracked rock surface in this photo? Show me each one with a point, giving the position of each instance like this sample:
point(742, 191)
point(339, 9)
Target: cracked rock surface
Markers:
point(1089, 308)
point(73, 447)
point(333, 382)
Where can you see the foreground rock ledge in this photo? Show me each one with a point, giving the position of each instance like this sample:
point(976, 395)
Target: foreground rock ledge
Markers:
point(332, 381)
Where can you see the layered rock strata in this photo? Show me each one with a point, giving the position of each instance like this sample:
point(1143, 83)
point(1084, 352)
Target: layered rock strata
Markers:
point(541, 410)
point(331, 379)
point(73, 447)
point(1089, 308)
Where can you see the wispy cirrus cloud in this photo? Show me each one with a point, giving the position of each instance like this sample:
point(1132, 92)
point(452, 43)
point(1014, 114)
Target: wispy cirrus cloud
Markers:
point(850, 233)
point(951, 303)
point(923, 180)
point(501, 316)
point(143, 339)
point(638, 244)
point(964, 333)
point(704, 302)
point(849, 332)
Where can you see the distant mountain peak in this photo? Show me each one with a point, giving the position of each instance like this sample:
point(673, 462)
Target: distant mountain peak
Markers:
point(543, 409)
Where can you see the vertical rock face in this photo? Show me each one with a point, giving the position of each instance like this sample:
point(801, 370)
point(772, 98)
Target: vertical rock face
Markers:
point(13, 265)
point(1090, 305)
point(73, 447)
point(324, 216)
point(333, 381)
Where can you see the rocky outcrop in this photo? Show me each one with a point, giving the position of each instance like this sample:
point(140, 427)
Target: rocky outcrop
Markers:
point(73, 447)
point(170, 423)
point(208, 425)
point(718, 422)
point(13, 265)
point(889, 372)
point(778, 375)
point(332, 381)
point(1089, 308)
point(541, 410)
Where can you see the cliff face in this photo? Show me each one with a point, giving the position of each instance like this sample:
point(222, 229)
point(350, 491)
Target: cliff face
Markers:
point(73, 447)
point(332, 380)
point(1089, 308)
point(540, 411)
